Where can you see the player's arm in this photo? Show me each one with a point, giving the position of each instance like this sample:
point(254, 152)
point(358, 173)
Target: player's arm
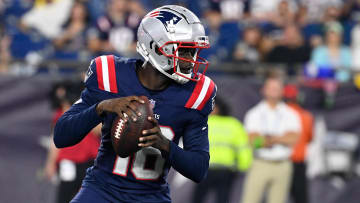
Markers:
point(95, 100)
point(77, 122)
point(193, 160)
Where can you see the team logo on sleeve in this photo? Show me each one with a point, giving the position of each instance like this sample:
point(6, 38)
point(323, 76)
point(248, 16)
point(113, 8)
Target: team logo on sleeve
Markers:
point(166, 17)
point(89, 72)
point(212, 103)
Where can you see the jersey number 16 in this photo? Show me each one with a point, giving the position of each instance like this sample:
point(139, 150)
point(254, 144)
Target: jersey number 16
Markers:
point(146, 164)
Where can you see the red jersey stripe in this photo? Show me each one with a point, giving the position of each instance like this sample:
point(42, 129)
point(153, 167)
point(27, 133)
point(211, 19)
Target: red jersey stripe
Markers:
point(99, 73)
point(112, 74)
point(207, 96)
point(196, 92)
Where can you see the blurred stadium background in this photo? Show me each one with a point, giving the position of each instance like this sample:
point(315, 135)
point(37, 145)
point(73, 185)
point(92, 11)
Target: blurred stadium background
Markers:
point(314, 43)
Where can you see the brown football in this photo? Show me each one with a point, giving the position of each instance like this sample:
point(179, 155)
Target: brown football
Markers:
point(125, 135)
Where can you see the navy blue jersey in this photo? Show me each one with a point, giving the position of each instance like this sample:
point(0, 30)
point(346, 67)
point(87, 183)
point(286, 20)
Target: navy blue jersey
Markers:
point(181, 111)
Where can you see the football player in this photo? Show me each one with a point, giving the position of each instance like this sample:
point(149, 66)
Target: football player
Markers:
point(169, 40)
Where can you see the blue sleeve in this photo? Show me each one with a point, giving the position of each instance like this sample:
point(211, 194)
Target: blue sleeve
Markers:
point(210, 104)
point(81, 118)
point(193, 160)
point(77, 122)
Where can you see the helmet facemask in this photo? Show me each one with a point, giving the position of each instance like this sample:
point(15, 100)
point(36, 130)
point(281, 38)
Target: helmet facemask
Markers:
point(178, 61)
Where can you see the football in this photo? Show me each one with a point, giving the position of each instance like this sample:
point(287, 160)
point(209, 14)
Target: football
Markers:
point(125, 135)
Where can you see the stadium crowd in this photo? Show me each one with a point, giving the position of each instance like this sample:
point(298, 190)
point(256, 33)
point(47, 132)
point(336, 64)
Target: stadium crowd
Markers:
point(245, 31)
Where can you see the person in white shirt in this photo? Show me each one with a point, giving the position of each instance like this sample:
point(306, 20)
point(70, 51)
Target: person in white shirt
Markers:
point(273, 129)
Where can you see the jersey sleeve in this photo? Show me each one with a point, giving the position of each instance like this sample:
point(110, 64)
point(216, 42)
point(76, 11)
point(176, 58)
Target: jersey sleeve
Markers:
point(202, 98)
point(193, 160)
point(101, 75)
point(77, 122)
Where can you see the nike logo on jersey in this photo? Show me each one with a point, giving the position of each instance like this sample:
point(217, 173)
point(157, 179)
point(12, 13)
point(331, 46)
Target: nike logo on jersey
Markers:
point(204, 128)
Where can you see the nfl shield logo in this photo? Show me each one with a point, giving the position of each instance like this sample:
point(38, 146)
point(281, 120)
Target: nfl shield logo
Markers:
point(152, 103)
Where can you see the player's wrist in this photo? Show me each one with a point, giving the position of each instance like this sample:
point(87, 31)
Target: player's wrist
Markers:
point(99, 109)
point(165, 146)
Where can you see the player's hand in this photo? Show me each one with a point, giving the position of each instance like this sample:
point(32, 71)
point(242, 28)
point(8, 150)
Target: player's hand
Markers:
point(153, 137)
point(122, 106)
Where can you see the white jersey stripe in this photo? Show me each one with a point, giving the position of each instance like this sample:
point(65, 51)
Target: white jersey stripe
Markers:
point(105, 73)
point(202, 94)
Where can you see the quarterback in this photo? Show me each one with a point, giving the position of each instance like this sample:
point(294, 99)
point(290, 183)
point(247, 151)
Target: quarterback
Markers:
point(169, 41)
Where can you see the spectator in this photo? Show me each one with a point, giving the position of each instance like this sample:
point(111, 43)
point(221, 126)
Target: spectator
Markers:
point(70, 164)
point(285, 15)
point(351, 10)
point(267, 43)
point(355, 45)
point(299, 185)
point(5, 55)
point(97, 8)
point(247, 50)
point(265, 11)
point(213, 21)
point(223, 35)
point(116, 31)
point(273, 129)
point(301, 17)
point(229, 152)
point(47, 17)
point(332, 13)
point(291, 48)
point(232, 9)
point(316, 8)
point(72, 40)
point(333, 55)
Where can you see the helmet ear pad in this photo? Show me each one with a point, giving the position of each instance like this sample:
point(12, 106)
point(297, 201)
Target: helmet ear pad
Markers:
point(158, 52)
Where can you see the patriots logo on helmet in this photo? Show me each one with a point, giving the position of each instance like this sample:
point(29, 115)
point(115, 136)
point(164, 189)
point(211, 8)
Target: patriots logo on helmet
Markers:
point(166, 17)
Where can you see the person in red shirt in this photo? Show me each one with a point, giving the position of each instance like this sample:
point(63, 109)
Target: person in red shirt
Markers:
point(69, 164)
point(299, 189)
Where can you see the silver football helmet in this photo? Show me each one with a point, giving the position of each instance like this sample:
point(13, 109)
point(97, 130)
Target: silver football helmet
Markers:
point(165, 30)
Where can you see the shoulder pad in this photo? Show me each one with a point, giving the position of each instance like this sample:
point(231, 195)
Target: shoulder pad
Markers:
point(104, 69)
point(201, 94)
